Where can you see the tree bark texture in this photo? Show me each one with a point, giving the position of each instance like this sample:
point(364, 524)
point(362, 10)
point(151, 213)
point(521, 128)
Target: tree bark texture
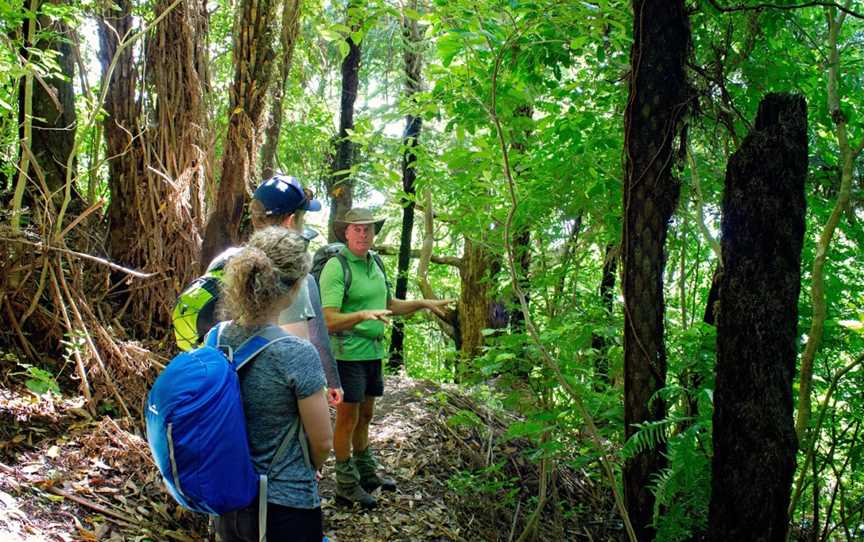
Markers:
point(340, 185)
point(410, 140)
point(125, 140)
point(478, 266)
point(178, 71)
point(288, 39)
point(253, 67)
point(53, 116)
point(154, 173)
point(757, 319)
point(658, 102)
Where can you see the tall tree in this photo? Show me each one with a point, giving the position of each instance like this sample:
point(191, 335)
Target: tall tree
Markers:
point(757, 321)
point(287, 41)
point(155, 172)
point(124, 137)
point(53, 109)
point(522, 234)
point(177, 68)
point(253, 67)
point(410, 139)
point(340, 185)
point(653, 120)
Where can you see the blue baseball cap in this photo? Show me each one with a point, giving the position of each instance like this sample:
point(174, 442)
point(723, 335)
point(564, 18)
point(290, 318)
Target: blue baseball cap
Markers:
point(283, 195)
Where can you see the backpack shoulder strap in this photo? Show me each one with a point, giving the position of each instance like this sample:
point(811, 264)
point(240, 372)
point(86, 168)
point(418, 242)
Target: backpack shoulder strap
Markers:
point(380, 263)
point(346, 275)
point(215, 335)
point(256, 344)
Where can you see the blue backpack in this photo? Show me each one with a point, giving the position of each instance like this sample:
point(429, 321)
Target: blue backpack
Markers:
point(197, 430)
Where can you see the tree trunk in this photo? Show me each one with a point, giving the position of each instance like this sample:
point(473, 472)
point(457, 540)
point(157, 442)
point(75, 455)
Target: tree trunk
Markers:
point(757, 319)
point(177, 67)
point(478, 265)
point(340, 185)
point(53, 117)
point(253, 66)
point(288, 39)
point(410, 140)
point(124, 139)
point(598, 341)
point(521, 241)
point(657, 106)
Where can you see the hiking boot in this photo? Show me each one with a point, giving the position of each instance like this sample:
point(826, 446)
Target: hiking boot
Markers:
point(369, 478)
point(348, 489)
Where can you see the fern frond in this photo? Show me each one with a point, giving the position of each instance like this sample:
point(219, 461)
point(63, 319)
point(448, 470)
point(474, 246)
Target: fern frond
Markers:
point(649, 435)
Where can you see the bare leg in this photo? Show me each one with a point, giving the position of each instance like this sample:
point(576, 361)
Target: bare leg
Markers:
point(360, 440)
point(347, 415)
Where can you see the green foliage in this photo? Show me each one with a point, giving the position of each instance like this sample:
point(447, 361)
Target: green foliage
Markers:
point(491, 480)
point(683, 489)
point(558, 73)
point(39, 381)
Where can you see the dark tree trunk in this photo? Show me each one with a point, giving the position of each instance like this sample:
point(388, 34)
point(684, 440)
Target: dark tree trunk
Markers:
point(657, 106)
point(124, 139)
point(288, 39)
point(340, 185)
point(598, 341)
point(253, 68)
point(757, 319)
point(54, 118)
point(410, 140)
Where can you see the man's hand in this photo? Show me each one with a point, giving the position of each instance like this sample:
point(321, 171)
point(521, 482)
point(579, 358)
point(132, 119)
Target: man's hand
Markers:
point(334, 396)
point(437, 306)
point(381, 315)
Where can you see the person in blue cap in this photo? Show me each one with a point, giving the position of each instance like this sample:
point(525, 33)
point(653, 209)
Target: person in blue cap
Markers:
point(282, 201)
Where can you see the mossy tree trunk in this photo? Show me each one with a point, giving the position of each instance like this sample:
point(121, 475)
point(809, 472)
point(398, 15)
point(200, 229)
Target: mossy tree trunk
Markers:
point(757, 326)
point(656, 110)
point(479, 265)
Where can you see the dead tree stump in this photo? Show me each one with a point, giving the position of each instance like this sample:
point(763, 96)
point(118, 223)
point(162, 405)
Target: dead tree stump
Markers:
point(757, 319)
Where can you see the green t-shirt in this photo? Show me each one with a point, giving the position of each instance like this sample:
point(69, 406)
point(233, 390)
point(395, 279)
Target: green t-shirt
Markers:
point(365, 341)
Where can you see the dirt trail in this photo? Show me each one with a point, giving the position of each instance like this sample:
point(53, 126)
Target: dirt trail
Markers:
point(65, 477)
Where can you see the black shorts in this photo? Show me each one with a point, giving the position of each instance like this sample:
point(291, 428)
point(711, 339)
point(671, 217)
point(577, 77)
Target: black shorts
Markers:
point(284, 524)
point(360, 379)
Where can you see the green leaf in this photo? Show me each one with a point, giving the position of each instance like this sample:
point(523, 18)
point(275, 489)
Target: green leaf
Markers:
point(344, 49)
point(448, 47)
point(464, 418)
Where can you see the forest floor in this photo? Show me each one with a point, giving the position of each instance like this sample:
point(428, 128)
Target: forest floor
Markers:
point(65, 476)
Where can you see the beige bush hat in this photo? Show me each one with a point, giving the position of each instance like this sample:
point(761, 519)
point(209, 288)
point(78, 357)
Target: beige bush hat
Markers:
point(355, 216)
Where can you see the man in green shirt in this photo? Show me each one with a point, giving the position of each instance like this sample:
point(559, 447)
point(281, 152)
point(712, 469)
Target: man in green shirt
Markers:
point(356, 321)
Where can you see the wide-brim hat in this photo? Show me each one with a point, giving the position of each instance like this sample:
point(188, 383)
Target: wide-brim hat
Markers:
point(358, 215)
